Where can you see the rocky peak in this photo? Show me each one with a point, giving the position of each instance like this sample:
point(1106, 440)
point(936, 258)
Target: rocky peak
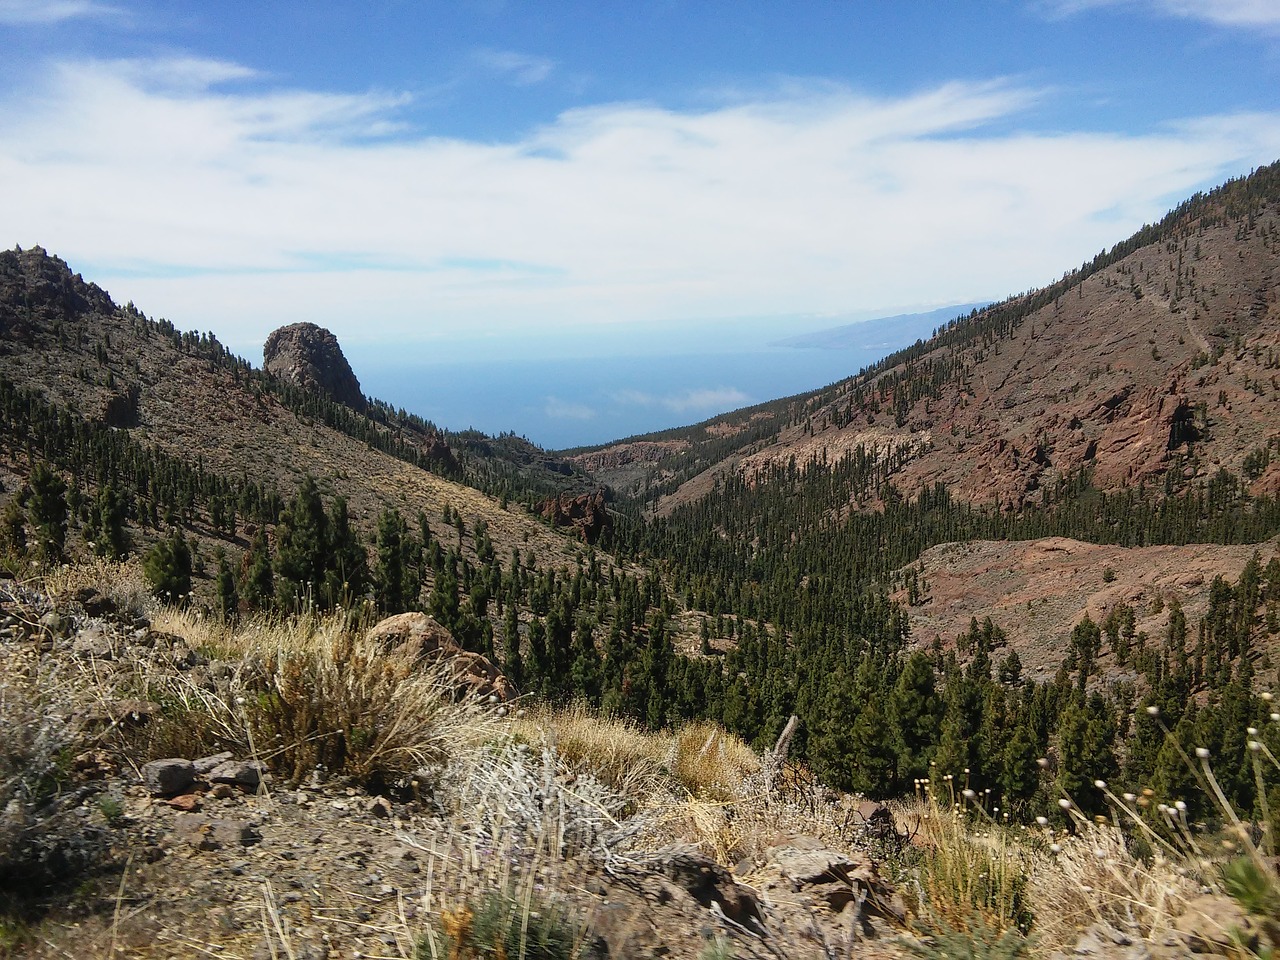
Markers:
point(309, 357)
point(36, 288)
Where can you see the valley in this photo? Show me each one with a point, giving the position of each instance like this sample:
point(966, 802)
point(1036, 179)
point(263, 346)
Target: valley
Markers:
point(1024, 555)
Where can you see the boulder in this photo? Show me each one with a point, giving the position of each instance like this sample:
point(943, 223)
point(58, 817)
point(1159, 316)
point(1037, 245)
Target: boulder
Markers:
point(843, 891)
point(420, 637)
point(164, 778)
point(709, 883)
point(247, 774)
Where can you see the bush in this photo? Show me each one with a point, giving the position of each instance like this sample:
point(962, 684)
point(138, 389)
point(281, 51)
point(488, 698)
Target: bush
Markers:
point(42, 842)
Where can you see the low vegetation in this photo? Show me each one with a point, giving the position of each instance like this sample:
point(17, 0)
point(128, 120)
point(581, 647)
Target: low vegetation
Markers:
point(303, 694)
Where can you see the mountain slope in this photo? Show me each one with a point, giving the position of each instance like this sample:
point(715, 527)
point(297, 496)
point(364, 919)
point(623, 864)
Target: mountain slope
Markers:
point(1158, 362)
point(66, 344)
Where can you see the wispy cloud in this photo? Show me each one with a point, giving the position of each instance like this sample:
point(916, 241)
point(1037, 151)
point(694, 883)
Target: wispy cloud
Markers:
point(558, 409)
point(813, 199)
point(1231, 13)
point(702, 400)
point(522, 69)
point(33, 12)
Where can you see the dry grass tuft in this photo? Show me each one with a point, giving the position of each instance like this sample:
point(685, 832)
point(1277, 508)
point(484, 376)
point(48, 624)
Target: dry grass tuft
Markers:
point(120, 580)
point(616, 752)
point(1093, 878)
point(711, 763)
point(973, 871)
point(308, 693)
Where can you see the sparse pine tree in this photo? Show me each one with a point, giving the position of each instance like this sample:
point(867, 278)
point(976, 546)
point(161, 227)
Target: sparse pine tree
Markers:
point(228, 596)
point(390, 574)
point(257, 578)
point(167, 568)
point(48, 507)
point(302, 543)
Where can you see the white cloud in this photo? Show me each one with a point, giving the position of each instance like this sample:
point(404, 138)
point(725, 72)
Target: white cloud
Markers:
point(1231, 13)
point(30, 12)
point(704, 399)
point(192, 188)
point(522, 69)
point(559, 409)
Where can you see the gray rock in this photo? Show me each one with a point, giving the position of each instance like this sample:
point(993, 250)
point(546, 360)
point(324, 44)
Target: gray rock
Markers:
point(164, 778)
point(708, 882)
point(207, 833)
point(205, 764)
point(242, 773)
point(92, 643)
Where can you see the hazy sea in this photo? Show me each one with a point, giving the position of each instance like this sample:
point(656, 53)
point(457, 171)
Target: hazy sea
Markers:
point(621, 387)
point(570, 403)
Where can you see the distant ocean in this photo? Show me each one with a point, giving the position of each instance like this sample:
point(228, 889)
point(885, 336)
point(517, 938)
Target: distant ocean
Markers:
point(570, 403)
point(630, 389)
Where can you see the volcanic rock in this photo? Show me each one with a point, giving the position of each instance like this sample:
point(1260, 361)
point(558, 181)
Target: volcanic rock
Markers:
point(422, 638)
point(309, 357)
point(586, 511)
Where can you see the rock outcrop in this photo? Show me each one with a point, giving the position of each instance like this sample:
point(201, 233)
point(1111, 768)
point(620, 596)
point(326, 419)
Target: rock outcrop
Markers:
point(36, 288)
point(309, 357)
point(422, 638)
point(586, 511)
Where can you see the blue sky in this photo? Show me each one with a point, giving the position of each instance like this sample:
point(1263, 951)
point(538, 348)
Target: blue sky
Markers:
point(437, 175)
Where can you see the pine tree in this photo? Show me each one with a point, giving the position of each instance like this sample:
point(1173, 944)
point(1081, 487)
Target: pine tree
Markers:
point(228, 596)
point(302, 542)
point(48, 507)
point(105, 528)
point(390, 575)
point(257, 577)
point(167, 567)
point(347, 574)
point(913, 716)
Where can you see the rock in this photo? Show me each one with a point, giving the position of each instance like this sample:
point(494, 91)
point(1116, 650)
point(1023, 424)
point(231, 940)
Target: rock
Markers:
point(54, 624)
point(205, 764)
point(309, 357)
point(847, 886)
point(92, 643)
point(164, 778)
point(207, 833)
point(123, 407)
point(420, 637)
point(247, 774)
point(379, 807)
point(131, 712)
point(186, 802)
point(1216, 924)
point(94, 603)
point(708, 882)
point(586, 511)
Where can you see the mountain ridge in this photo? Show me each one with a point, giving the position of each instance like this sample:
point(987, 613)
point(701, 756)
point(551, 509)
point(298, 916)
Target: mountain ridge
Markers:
point(1143, 331)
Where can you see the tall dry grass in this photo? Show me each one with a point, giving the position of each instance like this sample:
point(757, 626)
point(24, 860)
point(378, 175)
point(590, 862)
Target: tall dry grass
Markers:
point(306, 694)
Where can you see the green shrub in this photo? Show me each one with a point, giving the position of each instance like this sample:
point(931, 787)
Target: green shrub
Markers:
point(499, 926)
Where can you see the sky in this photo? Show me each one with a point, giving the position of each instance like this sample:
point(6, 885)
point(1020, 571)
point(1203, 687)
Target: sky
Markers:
point(489, 175)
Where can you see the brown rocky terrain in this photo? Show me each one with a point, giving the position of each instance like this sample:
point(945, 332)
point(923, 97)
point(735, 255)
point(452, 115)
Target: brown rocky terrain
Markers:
point(585, 513)
point(234, 854)
point(1036, 591)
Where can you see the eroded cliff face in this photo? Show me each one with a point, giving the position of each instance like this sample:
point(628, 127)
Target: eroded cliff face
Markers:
point(309, 357)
